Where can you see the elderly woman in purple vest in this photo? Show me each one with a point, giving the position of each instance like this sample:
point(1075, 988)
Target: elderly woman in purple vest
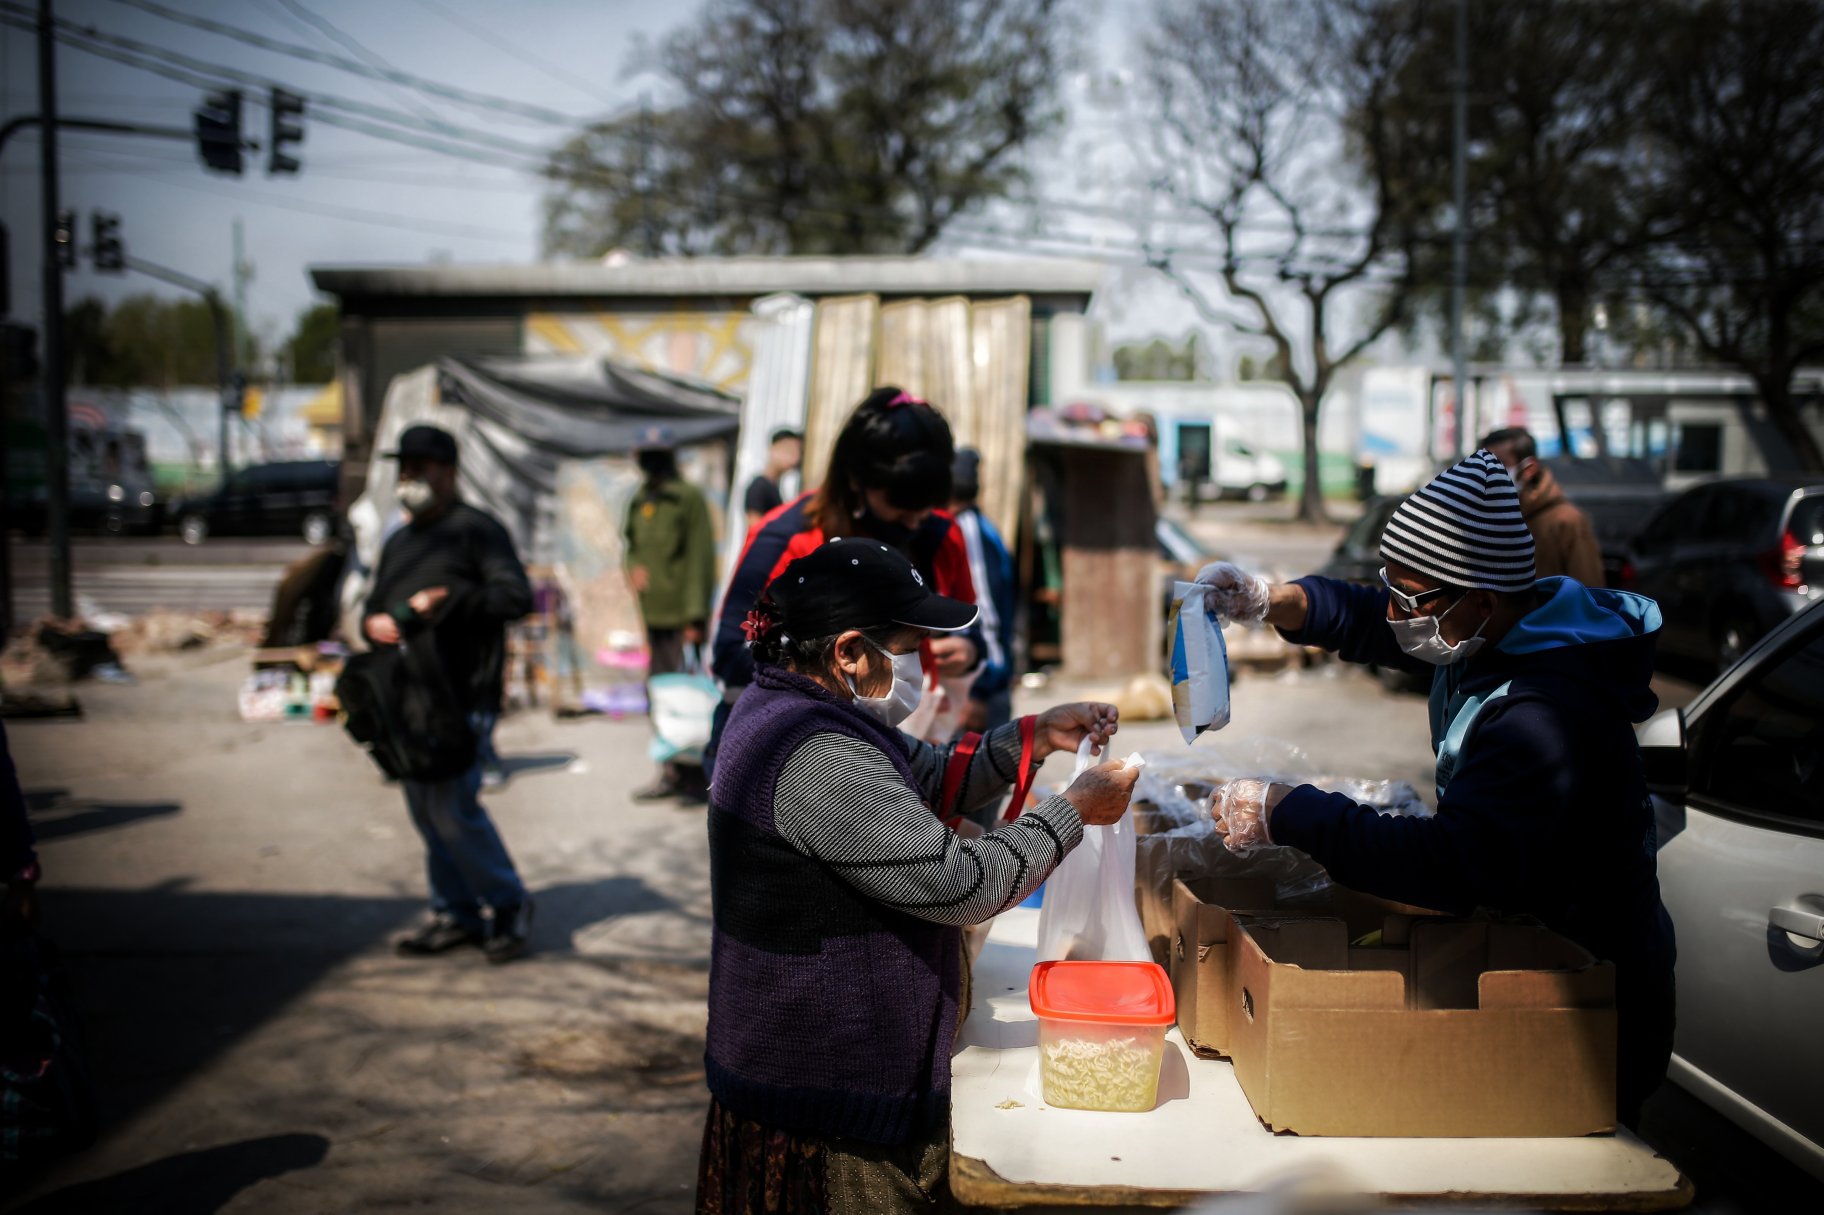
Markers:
point(840, 895)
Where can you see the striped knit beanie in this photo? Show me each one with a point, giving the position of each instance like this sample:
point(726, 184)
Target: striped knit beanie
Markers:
point(1464, 529)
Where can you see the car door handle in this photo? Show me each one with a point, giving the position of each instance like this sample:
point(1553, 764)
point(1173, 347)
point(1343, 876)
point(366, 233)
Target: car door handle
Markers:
point(1799, 921)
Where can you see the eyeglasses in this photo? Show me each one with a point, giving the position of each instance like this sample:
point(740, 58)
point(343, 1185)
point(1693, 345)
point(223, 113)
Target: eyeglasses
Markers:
point(1410, 603)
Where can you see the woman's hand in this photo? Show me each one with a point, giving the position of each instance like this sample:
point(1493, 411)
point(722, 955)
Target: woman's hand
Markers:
point(1101, 793)
point(954, 655)
point(1063, 728)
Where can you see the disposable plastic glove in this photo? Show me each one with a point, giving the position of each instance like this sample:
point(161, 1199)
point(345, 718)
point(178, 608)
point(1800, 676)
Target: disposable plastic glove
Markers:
point(1234, 594)
point(1243, 809)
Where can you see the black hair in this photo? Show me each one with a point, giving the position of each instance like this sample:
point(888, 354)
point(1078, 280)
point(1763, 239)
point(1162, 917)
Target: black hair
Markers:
point(773, 644)
point(658, 462)
point(784, 433)
point(891, 442)
point(1519, 437)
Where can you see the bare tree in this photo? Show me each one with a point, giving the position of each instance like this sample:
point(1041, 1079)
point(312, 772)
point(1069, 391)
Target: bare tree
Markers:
point(1273, 130)
point(1738, 122)
point(817, 126)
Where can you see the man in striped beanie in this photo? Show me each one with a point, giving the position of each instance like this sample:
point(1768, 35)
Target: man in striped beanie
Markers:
point(1536, 686)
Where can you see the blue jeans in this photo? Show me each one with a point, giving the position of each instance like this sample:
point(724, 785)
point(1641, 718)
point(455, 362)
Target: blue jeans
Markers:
point(467, 864)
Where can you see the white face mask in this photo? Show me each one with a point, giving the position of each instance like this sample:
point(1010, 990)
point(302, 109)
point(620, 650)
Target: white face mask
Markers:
point(902, 698)
point(414, 495)
point(1420, 637)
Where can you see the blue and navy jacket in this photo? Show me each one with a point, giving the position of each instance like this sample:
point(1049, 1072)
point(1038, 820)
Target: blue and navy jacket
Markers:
point(1542, 802)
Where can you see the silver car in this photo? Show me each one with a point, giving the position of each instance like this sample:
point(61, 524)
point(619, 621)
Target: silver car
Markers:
point(1738, 786)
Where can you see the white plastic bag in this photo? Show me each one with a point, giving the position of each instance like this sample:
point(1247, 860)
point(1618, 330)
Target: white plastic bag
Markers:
point(1089, 913)
point(1200, 664)
point(683, 708)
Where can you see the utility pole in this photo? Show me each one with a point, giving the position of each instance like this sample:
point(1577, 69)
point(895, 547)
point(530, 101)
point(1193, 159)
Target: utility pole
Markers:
point(56, 413)
point(241, 354)
point(644, 183)
point(1459, 237)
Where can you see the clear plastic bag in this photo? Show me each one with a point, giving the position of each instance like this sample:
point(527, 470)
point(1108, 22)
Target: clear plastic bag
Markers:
point(1089, 912)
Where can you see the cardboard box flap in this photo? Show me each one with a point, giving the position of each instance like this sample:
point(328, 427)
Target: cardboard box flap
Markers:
point(1591, 986)
point(1222, 895)
point(1310, 963)
point(1533, 947)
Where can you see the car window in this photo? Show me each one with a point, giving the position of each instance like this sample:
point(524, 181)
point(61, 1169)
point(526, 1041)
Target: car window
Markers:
point(1762, 751)
point(1806, 523)
point(1675, 522)
point(245, 481)
point(1723, 516)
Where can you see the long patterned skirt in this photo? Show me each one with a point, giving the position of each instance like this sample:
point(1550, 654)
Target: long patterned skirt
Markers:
point(750, 1169)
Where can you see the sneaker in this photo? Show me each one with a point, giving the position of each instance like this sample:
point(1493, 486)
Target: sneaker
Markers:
point(661, 789)
point(440, 935)
point(509, 935)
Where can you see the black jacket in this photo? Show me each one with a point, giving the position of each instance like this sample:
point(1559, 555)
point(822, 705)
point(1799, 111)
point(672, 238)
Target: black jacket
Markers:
point(468, 551)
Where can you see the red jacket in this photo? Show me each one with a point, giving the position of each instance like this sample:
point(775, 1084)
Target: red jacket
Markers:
point(937, 550)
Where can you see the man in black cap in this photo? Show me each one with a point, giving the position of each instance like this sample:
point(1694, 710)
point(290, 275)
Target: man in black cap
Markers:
point(671, 565)
point(451, 575)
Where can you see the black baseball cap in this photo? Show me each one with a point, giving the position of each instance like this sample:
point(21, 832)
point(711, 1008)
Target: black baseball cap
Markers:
point(424, 443)
point(861, 584)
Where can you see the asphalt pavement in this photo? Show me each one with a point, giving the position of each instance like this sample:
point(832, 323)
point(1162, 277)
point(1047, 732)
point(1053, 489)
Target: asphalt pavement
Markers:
point(225, 891)
point(138, 574)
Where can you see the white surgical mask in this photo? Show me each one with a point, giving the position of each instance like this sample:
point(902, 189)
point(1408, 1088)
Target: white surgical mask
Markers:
point(902, 698)
point(414, 495)
point(1420, 637)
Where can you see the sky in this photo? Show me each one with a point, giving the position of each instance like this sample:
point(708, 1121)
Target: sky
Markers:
point(364, 200)
point(358, 199)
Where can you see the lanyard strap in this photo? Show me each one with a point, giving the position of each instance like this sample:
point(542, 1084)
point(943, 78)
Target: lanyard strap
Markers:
point(1029, 728)
point(953, 778)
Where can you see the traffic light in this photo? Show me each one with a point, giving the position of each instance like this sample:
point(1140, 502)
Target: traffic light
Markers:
point(105, 245)
point(218, 131)
point(286, 107)
point(63, 239)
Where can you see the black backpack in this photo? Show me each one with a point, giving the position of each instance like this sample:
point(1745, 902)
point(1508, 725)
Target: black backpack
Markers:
point(397, 703)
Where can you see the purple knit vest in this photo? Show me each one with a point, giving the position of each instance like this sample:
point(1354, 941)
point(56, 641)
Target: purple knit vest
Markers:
point(829, 1013)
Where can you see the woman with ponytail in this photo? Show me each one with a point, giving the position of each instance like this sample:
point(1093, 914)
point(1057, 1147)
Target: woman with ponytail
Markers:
point(888, 475)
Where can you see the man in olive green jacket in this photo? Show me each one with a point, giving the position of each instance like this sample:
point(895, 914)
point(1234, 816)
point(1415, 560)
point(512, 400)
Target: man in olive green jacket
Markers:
point(671, 565)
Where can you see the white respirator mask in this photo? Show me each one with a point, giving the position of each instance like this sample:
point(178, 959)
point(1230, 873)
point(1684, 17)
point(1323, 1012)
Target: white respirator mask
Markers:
point(1421, 638)
point(902, 698)
point(414, 496)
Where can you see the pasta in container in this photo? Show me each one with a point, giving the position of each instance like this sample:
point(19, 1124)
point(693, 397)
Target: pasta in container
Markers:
point(1101, 1033)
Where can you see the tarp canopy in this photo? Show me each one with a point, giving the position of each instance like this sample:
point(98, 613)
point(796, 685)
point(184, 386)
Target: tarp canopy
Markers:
point(585, 406)
point(524, 427)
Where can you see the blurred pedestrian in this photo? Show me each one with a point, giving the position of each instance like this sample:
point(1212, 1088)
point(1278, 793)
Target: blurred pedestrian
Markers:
point(765, 493)
point(1563, 539)
point(671, 565)
point(991, 569)
point(451, 576)
point(888, 475)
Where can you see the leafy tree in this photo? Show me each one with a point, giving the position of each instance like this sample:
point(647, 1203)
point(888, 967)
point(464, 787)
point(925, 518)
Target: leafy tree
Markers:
point(1737, 122)
point(816, 126)
point(311, 349)
point(1160, 360)
point(1555, 200)
point(145, 341)
point(1258, 101)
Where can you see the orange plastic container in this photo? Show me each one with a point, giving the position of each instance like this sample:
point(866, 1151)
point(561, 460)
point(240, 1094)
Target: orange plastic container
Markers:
point(1101, 1032)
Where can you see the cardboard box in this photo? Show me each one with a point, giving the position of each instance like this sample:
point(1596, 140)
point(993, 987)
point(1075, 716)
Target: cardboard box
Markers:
point(1200, 951)
point(1451, 1028)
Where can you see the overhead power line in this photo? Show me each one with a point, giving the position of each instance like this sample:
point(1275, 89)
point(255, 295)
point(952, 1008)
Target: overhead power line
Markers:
point(554, 70)
point(335, 33)
point(423, 84)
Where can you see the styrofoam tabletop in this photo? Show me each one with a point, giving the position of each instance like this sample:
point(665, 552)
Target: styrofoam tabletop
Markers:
point(1009, 1148)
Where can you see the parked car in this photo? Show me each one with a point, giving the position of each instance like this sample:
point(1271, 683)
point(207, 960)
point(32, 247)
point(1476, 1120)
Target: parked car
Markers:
point(1728, 561)
point(1619, 495)
point(1737, 779)
point(1242, 472)
point(1358, 559)
point(294, 497)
